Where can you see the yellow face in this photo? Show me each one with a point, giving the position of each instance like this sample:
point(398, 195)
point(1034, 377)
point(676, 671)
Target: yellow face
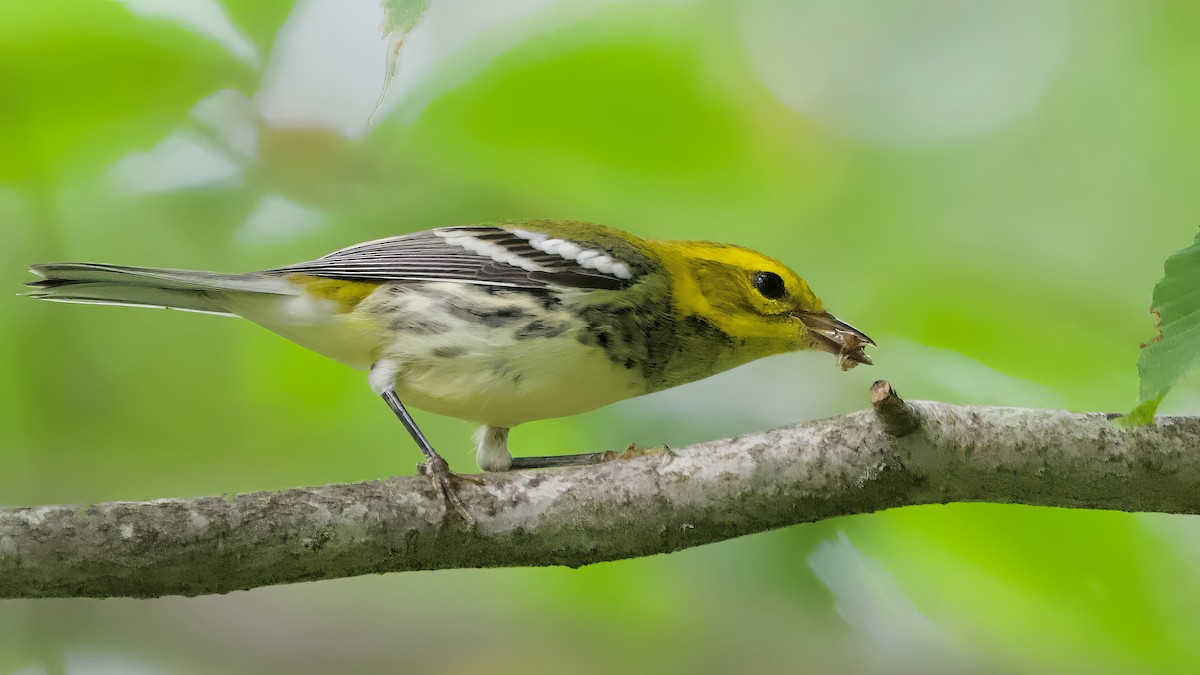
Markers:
point(758, 300)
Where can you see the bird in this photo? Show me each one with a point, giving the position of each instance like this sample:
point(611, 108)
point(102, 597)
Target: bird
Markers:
point(504, 323)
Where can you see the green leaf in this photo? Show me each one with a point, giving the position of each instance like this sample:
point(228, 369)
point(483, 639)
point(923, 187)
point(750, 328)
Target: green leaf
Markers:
point(1175, 350)
point(399, 18)
point(1141, 415)
point(402, 15)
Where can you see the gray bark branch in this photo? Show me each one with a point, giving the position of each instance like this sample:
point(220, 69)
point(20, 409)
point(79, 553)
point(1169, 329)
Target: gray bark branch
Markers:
point(901, 453)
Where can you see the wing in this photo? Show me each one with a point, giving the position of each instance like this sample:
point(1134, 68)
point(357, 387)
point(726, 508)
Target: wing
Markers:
point(476, 254)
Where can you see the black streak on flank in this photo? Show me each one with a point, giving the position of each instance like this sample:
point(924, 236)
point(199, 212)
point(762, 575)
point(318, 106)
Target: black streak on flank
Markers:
point(648, 339)
point(549, 301)
point(540, 329)
point(492, 317)
point(449, 352)
point(546, 298)
point(418, 326)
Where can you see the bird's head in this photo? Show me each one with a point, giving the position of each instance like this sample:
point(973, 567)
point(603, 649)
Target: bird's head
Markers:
point(757, 301)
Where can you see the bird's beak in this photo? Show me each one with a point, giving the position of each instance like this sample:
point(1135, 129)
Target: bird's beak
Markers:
point(827, 333)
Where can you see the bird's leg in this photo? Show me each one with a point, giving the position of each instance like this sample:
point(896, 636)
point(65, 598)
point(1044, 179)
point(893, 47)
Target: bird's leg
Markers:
point(435, 465)
point(583, 459)
point(382, 380)
point(492, 454)
point(588, 458)
point(491, 448)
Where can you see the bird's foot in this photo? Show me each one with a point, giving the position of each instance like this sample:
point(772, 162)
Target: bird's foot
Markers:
point(443, 479)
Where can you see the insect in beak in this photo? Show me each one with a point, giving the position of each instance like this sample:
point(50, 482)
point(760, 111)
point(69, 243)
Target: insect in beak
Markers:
point(827, 333)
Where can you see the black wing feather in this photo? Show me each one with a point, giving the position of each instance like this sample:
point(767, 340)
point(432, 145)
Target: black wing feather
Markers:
point(427, 256)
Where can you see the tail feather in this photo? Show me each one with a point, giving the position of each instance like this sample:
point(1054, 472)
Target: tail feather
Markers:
point(91, 283)
point(267, 299)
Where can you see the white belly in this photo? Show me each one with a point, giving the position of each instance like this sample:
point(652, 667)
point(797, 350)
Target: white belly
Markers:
point(508, 384)
point(495, 370)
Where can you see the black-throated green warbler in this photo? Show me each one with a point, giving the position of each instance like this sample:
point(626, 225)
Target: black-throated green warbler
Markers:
point(506, 323)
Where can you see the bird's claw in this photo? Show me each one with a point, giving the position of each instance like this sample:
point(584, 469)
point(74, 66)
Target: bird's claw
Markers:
point(443, 479)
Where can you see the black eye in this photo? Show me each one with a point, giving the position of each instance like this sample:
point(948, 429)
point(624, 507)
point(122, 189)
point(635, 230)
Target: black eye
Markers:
point(770, 285)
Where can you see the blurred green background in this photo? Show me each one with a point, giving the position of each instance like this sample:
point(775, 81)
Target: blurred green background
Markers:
point(987, 188)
